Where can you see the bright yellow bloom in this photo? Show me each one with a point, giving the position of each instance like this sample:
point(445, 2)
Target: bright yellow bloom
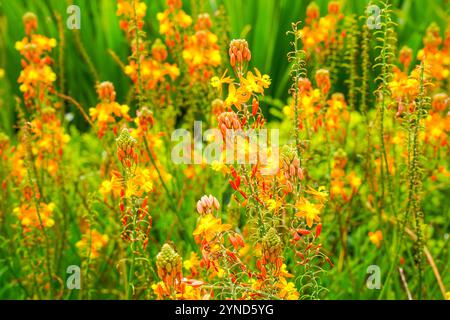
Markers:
point(308, 210)
point(376, 237)
point(217, 83)
point(320, 194)
point(209, 226)
point(256, 83)
point(237, 97)
point(287, 290)
point(192, 263)
point(184, 19)
point(140, 183)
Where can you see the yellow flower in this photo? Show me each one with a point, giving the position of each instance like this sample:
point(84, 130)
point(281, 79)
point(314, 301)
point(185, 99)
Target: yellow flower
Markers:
point(287, 290)
point(210, 226)
point(19, 45)
point(284, 272)
point(237, 97)
point(192, 263)
point(29, 216)
point(354, 180)
point(190, 293)
point(256, 83)
point(251, 84)
point(376, 237)
point(172, 70)
point(2, 73)
point(271, 204)
point(320, 194)
point(92, 242)
point(263, 80)
point(184, 19)
point(288, 111)
point(215, 82)
point(111, 186)
point(232, 98)
point(219, 166)
point(308, 210)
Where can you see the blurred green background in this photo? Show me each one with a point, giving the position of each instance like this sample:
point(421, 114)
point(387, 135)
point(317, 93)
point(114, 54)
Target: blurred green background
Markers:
point(262, 22)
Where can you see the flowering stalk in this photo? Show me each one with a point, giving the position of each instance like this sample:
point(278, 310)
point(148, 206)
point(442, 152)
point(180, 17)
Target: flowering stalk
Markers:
point(387, 36)
point(298, 71)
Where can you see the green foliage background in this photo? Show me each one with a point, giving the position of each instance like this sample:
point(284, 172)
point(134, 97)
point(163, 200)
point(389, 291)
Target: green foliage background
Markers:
point(262, 22)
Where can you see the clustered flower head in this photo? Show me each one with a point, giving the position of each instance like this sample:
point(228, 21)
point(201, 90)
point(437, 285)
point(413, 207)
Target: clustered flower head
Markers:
point(174, 285)
point(438, 122)
point(131, 10)
point(37, 76)
point(198, 45)
point(169, 264)
point(323, 81)
point(201, 52)
point(144, 121)
point(272, 248)
point(320, 33)
point(148, 72)
point(406, 56)
point(32, 217)
point(343, 185)
point(435, 53)
point(91, 243)
point(291, 170)
point(159, 51)
point(405, 89)
point(133, 187)
point(107, 112)
point(318, 109)
point(126, 150)
point(172, 22)
point(49, 140)
point(240, 55)
point(152, 72)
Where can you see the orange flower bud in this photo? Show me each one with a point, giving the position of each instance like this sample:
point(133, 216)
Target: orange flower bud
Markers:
point(255, 106)
point(323, 80)
point(312, 12)
point(334, 7)
point(406, 56)
point(30, 22)
point(106, 91)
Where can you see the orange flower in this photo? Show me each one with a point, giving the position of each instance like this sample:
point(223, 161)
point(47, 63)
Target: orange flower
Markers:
point(30, 217)
point(91, 243)
point(209, 227)
point(376, 237)
point(106, 112)
point(310, 211)
point(201, 51)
